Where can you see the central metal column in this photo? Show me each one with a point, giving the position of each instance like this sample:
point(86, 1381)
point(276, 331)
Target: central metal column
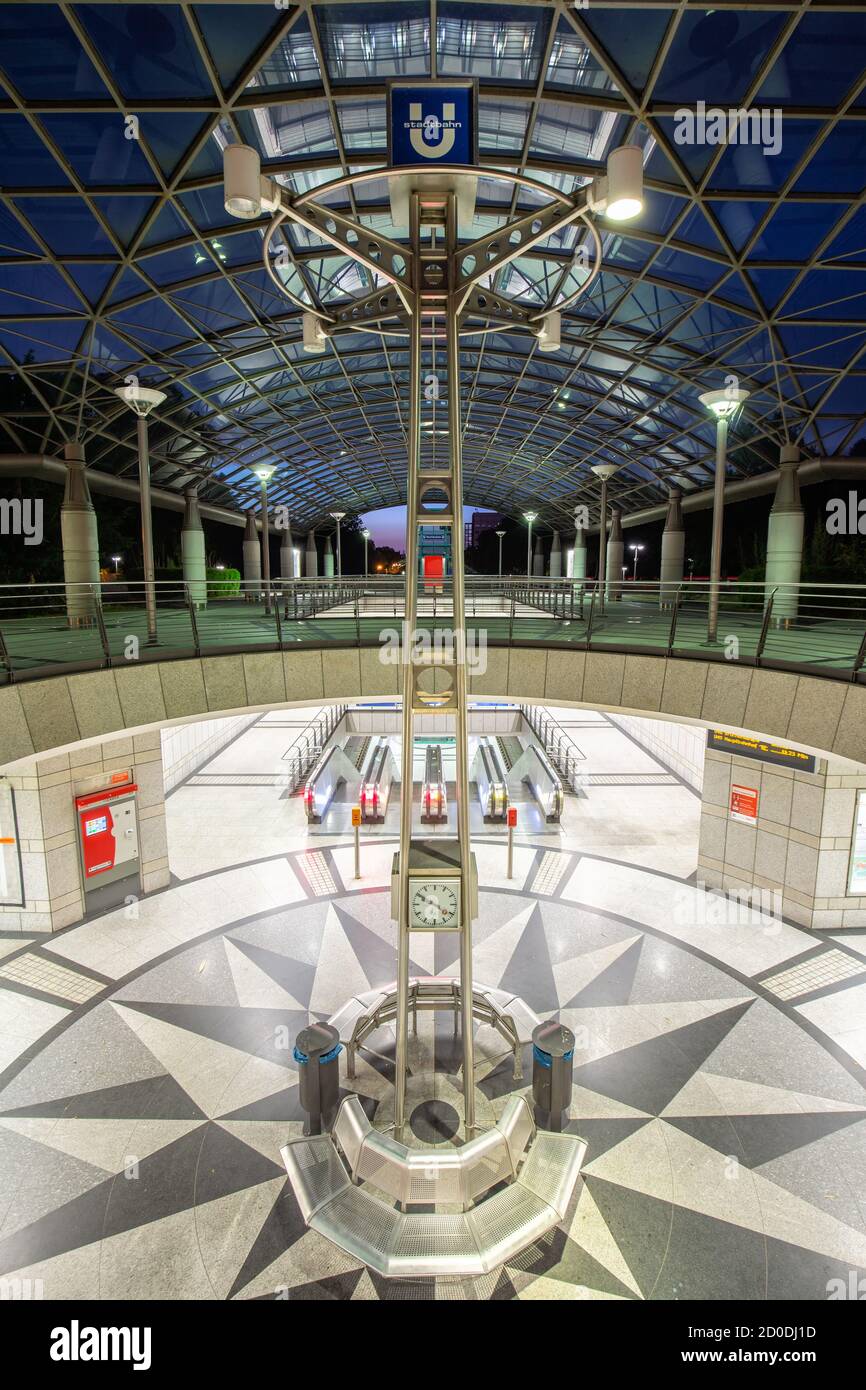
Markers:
point(455, 444)
point(447, 306)
point(408, 739)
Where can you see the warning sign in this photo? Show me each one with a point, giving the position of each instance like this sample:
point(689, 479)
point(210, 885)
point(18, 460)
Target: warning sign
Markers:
point(512, 816)
point(356, 815)
point(744, 804)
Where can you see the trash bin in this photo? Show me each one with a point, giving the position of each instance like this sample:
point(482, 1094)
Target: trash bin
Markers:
point(317, 1053)
point(552, 1062)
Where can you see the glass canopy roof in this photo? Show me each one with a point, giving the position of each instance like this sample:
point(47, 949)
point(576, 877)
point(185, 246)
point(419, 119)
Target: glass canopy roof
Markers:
point(117, 257)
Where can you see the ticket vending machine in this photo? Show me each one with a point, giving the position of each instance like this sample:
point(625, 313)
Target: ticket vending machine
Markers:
point(108, 844)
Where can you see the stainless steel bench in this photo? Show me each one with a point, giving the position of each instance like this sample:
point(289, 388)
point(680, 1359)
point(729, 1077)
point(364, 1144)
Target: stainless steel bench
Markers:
point(365, 1013)
point(401, 1244)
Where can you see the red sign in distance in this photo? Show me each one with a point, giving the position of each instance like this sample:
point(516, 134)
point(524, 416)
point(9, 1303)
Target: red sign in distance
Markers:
point(512, 817)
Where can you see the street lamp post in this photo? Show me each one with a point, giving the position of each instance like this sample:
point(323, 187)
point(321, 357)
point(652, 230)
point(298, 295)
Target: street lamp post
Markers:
point(264, 472)
point(529, 517)
point(723, 403)
point(366, 535)
point(116, 559)
point(635, 550)
point(500, 534)
point(142, 400)
point(338, 517)
point(604, 471)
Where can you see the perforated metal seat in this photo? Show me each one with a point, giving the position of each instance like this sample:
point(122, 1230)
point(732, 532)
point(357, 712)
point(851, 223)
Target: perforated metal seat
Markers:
point(552, 1168)
point(517, 1127)
point(316, 1173)
point(507, 1222)
point(351, 1128)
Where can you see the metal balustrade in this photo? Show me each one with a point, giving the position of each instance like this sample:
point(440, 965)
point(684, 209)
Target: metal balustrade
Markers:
point(49, 629)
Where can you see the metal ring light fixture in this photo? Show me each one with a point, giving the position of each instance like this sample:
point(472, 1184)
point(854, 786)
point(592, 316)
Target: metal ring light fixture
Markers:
point(316, 195)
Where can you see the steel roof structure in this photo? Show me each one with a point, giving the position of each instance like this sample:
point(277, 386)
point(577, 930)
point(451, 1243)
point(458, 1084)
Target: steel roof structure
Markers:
point(117, 256)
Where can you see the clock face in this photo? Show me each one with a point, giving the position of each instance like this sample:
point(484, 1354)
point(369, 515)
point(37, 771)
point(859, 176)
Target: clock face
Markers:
point(435, 906)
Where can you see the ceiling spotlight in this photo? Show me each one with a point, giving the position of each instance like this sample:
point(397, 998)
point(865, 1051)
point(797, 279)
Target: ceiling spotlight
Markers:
point(246, 193)
point(550, 332)
point(725, 401)
point(315, 337)
point(620, 194)
point(264, 471)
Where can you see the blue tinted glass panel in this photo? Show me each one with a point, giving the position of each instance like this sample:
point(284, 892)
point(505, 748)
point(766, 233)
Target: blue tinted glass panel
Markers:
point(633, 41)
point(124, 215)
point(148, 48)
point(233, 33)
point(715, 55)
point(169, 135)
point(766, 160)
point(92, 280)
point(24, 160)
point(771, 284)
point(839, 166)
point(13, 237)
point(98, 150)
point(739, 220)
point(166, 226)
point(796, 230)
point(66, 224)
point(57, 63)
point(824, 56)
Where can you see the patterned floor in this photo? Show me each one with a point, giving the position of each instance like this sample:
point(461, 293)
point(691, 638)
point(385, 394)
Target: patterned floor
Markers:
point(139, 1139)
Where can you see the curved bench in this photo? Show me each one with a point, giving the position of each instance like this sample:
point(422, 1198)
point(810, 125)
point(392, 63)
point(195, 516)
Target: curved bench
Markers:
point(400, 1244)
point(363, 1014)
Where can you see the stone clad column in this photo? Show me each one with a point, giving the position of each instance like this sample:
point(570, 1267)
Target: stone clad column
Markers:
point(311, 558)
point(578, 564)
point(80, 541)
point(555, 570)
point(329, 558)
point(192, 550)
point(785, 539)
point(615, 551)
point(287, 555)
point(673, 549)
point(252, 560)
point(538, 559)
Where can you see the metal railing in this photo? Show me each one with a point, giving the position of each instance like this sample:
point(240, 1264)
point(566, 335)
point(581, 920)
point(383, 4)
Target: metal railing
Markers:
point(49, 629)
point(557, 743)
point(302, 755)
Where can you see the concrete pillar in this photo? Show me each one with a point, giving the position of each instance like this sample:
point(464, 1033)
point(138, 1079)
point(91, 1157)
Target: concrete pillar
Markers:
point(252, 560)
point(785, 539)
point(578, 564)
point(192, 550)
point(329, 558)
point(615, 552)
point(555, 570)
point(311, 558)
point(673, 549)
point(287, 555)
point(80, 540)
point(538, 559)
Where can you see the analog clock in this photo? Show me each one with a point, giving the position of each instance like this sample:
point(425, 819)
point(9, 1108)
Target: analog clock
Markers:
point(434, 905)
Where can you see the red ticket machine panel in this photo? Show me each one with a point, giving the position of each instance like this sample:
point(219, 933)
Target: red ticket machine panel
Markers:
point(108, 833)
point(434, 571)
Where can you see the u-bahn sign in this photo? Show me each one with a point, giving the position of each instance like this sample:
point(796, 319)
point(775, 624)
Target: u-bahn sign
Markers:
point(432, 123)
point(766, 752)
